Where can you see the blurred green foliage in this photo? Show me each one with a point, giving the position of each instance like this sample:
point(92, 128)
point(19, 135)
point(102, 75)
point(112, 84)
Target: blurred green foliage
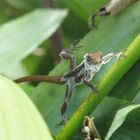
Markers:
point(73, 28)
point(10, 9)
point(19, 118)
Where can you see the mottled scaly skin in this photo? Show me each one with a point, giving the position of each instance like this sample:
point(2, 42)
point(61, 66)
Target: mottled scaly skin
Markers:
point(83, 73)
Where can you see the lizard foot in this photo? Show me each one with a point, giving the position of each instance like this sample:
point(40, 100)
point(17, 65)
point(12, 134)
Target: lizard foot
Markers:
point(121, 54)
point(94, 88)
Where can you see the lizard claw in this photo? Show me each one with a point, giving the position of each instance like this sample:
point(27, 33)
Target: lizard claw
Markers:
point(91, 21)
point(95, 89)
point(121, 54)
point(63, 121)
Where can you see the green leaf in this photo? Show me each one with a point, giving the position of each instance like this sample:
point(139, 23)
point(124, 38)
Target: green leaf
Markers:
point(21, 36)
point(120, 118)
point(19, 118)
point(105, 113)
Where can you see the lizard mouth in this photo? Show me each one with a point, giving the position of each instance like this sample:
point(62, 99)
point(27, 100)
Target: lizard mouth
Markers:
point(93, 58)
point(93, 62)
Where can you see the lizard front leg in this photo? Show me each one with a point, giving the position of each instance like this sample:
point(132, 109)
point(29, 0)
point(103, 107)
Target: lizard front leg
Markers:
point(108, 57)
point(69, 57)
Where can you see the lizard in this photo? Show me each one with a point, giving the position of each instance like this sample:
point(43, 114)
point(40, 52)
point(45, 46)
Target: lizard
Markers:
point(78, 74)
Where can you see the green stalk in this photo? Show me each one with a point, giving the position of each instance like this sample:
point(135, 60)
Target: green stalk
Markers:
point(106, 84)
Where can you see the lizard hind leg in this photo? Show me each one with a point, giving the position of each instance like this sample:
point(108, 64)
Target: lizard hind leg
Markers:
point(67, 98)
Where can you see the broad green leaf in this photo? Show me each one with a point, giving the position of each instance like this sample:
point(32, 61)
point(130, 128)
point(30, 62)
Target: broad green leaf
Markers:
point(113, 34)
point(21, 36)
point(119, 120)
point(19, 118)
point(105, 112)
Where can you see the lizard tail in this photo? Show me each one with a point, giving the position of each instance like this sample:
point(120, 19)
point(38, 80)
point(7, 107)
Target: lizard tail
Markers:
point(41, 78)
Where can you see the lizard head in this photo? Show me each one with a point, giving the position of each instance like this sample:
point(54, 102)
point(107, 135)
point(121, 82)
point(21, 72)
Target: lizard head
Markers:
point(93, 58)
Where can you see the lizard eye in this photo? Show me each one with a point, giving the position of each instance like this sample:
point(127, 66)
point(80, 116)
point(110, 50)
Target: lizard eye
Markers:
point(101, 55)
point(88, 57)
